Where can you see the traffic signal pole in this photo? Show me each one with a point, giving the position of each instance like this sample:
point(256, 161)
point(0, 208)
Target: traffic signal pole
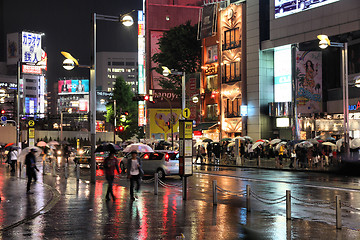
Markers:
point(114, 121)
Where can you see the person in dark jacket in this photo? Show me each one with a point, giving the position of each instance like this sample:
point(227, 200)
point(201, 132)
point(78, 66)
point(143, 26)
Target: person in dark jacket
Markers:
point(134, 173)
point(30, 163)
point(110, 164)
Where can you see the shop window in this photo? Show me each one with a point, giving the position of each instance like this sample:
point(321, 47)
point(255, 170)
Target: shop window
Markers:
point(231, 39)
point(212, 55)
point(212, 83)
point(212, 112)
point(232, 108)
point(232, 72)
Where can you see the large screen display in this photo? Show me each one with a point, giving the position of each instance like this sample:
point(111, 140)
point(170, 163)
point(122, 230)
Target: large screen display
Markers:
point(282, 74)
point(79, 86)
point(288, 7)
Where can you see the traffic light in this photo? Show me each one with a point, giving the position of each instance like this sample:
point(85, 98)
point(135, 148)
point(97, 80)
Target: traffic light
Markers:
point(125, 113)
point(121, 128)
point(2, 111)
point(141, 98)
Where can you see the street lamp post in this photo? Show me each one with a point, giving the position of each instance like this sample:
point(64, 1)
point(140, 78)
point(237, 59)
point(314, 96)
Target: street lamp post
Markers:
point(324, 43)
point(127, 21)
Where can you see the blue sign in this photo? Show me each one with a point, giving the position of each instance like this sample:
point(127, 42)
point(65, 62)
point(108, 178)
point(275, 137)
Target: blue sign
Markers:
point(3, 118)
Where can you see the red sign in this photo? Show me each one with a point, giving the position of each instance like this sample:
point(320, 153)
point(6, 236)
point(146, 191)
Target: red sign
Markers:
point(31, 69)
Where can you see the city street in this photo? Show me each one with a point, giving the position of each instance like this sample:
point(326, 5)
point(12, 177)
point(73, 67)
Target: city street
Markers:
point(62, 208)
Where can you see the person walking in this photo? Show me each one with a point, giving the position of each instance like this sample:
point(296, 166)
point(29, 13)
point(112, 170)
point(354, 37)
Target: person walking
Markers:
point(13, 159)
point(209, 150)
point(110, 164)
point(134, 172)
point(30, 163)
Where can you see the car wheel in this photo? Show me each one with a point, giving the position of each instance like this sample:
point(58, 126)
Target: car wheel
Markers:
point(161, 173)
point(122, 167)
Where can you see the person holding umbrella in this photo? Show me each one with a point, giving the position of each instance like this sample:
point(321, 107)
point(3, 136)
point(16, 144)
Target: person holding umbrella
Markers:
point(110, 164)
point(134, 172)
point(13, 158)
point(30, 162)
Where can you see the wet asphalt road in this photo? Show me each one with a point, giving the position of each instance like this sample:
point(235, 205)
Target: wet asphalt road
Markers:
point(80, 211)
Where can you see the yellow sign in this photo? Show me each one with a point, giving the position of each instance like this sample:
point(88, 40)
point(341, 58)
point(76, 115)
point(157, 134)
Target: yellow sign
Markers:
point(31, 123)
point(186, 113)
point(31, 133)
point(160, 123)
point(186, 129)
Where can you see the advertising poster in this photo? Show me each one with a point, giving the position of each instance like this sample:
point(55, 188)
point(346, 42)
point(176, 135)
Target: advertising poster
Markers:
point(13, 49)
point(80, 86)
point(155, 37)
point(207, 21)
point(288, 7)
point(309, 82)
point(160, 123)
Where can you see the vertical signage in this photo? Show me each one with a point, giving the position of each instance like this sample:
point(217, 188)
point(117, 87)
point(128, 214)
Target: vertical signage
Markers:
point(186, 151)
point(141, 66)
point(282, 74)
point(31, 47)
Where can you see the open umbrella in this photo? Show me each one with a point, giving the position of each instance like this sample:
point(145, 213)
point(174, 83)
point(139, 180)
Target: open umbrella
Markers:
point(53, 143)
point(207, 140)
point(139, 147)
point(330, 139)
point(8, 145)
point(108, 147)
point(255, 145)
point(332, 145)
point(279, 145)
point(25, 151)
point(248, 138)
point(313, 141)
point(41, 144)
point(64, 143)
point(231, 144)
point(275, 141)
point(226, 140)
point(355, 143)
point(305, 144)
point(240, 138)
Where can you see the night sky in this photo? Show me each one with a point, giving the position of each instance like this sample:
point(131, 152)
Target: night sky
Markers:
point(67, 26)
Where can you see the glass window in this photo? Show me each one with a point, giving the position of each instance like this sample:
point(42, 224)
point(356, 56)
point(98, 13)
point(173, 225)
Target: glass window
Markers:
point(118, 63)
point(212, 82)
point(232, 108)
point(212, 112)
point(130, 63)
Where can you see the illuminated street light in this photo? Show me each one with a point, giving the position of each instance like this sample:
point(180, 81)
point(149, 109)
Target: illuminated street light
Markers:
point(68, 64)
point(127, 21)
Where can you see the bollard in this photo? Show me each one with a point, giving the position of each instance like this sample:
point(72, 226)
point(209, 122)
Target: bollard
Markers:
point(214, 192)
point(248, 198)
point(53, 169)
point(44, 167)
point(184, 187)
point(156, 184)
point(20, 169)
point(288, 204)
point(66, 170)
point(77, 172)
point(338, 212)
point(258, 163)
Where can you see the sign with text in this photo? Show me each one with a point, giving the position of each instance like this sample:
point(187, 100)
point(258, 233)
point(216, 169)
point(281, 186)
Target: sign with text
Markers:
point(31, 69)
point(31, 47)
point(186, 151)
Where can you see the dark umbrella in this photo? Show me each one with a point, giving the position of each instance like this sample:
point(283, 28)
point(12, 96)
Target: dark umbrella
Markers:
point(226, 139)
point(109, 147)
point(207, 140)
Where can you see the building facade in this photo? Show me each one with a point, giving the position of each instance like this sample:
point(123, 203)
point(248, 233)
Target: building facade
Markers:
point(111, 65)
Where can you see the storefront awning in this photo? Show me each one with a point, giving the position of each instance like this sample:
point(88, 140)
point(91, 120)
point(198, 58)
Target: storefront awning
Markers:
point(204, 126)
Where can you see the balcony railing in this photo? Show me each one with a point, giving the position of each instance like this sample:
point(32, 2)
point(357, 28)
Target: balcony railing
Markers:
point(231, 45)
point(226, 79)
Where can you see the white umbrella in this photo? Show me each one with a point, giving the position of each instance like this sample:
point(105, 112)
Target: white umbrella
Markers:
point(304, 144)
point(240, 138)
point(275, 141)
point(280, 144)
point(340, 142)
point(255, 145)
point(139, 147)
point(248, 138)
point(25, 151)
point(53, 143)
point(41, 144)
point(332, 145)
point(355, 143)
point(231, 144)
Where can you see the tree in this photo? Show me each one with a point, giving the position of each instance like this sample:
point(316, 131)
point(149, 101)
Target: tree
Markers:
point(180, 50)
point(123, 95)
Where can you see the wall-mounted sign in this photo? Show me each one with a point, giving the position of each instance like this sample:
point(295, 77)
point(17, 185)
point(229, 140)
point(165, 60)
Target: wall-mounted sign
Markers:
point(282, 122)
point(31, 47)
point(31, 69)
point(354, 107)
point(211, 69)
point(244, 110)
point(282, 74)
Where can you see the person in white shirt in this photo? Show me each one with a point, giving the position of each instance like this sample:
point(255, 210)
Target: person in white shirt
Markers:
point(13, 159)
point(134, 173)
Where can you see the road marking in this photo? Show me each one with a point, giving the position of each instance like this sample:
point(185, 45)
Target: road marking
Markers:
point(278, 181)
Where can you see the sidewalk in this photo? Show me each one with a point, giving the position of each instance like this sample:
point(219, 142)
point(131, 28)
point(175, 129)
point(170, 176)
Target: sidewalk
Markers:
point(16, 206)
point(270, 164)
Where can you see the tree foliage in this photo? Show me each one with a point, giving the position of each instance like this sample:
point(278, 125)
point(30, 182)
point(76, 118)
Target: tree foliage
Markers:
point(180, 50)
point(123, 95)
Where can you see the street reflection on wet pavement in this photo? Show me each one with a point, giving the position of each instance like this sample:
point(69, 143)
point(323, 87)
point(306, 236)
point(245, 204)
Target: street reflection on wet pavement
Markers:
point(81, 211)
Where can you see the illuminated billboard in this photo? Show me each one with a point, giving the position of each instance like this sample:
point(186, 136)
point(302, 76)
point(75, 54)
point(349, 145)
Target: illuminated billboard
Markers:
point(141, 66)
point(288, 7)
point(282, 74)
point(80, 86)
point(31, 47)
point(77, 103)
